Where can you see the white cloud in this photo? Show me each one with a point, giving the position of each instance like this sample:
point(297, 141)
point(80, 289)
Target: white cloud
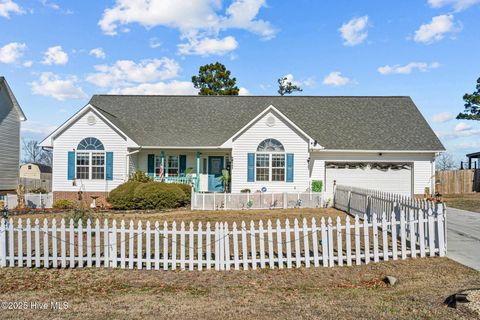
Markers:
point(458, 5)
point(243, 92)
point(408, 68)
point(462, 127)
point(354, 31)
point(442, 117)
point(461, 130)
point(200, 15)
point(436, 29)
point(37, 127)
point(172, 88)
point(28, 63)
point(11, 52)
point(154, 43)
point(290, 78)
point(208, 46)
point(198, 21)
point(98, 53)
point(55, 55)
point(7, 7)
point(336, 79)
point(52, 85)
point(125, 72)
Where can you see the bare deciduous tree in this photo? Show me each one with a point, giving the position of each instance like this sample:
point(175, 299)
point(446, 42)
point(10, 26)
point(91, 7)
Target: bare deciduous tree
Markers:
point(445, 161)
point(34, 153)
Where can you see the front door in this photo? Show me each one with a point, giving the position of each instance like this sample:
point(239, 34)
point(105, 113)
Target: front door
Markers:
point(215, 167)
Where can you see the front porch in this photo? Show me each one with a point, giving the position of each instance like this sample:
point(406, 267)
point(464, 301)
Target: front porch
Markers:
point(201, 168)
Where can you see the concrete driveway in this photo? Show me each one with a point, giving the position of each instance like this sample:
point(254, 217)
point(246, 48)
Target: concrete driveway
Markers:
point(463, 236)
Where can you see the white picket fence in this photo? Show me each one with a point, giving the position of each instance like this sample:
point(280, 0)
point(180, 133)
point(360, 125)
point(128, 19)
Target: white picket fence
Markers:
point(365, 202)
point(222, 246)
point(32, 200)
point(257, 200)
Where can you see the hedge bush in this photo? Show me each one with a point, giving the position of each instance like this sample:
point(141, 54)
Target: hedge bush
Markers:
point(149, 196)
point(64, 204)
point(123, 197)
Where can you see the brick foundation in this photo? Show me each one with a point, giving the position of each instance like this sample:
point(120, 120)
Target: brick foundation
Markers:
point(86, 198)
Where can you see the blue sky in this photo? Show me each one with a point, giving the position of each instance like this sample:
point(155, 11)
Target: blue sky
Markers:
point(56, 54)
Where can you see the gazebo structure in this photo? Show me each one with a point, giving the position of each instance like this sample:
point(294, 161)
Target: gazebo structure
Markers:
point(471, 160)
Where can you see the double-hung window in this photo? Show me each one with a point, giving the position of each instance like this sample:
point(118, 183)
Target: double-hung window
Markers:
point(90, 160)
point(173, 167)
point(270, 161)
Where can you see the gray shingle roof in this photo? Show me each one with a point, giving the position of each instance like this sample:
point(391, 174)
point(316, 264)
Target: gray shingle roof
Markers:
point(348, 123)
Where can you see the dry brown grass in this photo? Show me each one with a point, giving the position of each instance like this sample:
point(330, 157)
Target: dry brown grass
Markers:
point(314, 293)
point(202, 216)
point(467, 201)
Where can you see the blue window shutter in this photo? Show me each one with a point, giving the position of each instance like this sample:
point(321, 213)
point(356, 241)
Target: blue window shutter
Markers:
point(151, 165)
point(251, 167)
point(109, 166)
point(290, 167)
point(182, 163)
point(71, 165)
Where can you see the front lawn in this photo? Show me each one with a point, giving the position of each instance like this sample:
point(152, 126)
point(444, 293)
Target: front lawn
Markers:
point(200, 216)
point(313, 293)
point(467, 201)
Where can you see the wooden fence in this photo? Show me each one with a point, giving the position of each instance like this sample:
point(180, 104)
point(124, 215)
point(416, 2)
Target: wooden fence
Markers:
point(457, 181)
point(32, 200)
point(221, 246)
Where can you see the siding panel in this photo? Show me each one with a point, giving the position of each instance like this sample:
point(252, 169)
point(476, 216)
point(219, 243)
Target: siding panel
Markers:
point(69, 139)
point(248, 142)
point(9, 143)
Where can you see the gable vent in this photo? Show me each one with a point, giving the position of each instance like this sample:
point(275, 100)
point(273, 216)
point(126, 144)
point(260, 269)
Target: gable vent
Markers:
point(91, 120)
point(271, 121)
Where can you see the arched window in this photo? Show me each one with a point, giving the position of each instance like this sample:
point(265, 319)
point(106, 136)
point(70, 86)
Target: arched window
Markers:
point(270, 145)
point(90, 144)
point(270, 161)
point(90, 159)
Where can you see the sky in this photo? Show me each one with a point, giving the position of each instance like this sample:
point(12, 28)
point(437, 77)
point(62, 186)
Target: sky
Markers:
point(56, 54)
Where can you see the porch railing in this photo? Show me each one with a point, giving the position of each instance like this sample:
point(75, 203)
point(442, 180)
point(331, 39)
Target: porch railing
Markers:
point(179, 180)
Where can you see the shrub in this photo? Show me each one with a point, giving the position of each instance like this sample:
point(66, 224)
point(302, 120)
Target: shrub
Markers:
point(317, 185)
point(245, 191)
point(140, 176)
point(64, 204)
point(154, 195)
point(123, 196)
point(78, 214)
point(149, 196)
point(39, 190)
point(187, 189)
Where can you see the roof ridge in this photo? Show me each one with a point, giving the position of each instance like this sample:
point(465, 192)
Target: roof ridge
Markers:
point(252, 96)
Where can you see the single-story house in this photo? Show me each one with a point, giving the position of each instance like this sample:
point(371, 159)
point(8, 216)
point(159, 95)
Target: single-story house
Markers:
point(268, 143)
point(11, 116)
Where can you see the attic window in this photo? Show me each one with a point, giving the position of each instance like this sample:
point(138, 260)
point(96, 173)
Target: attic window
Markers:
point(90, 144)
point(270, 145)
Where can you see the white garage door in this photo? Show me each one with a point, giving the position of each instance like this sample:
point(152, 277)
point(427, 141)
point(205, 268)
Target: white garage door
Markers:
point(394, 181)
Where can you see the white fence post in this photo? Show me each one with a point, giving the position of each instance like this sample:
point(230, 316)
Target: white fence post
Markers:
point(3, 243)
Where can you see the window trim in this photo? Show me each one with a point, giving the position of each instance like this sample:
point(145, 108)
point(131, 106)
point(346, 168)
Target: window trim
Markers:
point(271, 167)
point(90, 164)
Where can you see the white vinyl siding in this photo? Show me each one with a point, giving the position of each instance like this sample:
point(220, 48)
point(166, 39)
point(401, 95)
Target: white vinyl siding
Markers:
point(9, 143)
point(292, 141)
point(68, 141)
point(422, 166)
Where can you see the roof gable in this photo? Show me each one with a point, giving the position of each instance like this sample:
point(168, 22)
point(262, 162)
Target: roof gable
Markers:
point(339, 123)
point(4, 85)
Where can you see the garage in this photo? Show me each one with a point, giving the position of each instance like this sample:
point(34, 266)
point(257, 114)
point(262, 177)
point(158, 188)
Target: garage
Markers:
point(385, 176)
